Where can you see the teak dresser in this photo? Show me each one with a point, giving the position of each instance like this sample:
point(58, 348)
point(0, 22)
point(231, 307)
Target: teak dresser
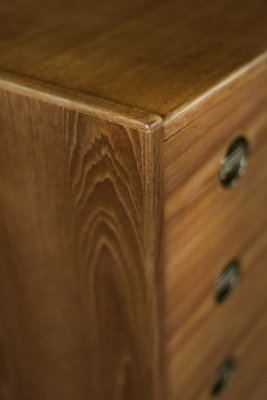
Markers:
point(133, 200)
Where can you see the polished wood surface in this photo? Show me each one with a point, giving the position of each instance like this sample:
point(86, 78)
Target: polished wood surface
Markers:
point(79, 225)
point(156, 56)
point(114, 118)
point(206, 226)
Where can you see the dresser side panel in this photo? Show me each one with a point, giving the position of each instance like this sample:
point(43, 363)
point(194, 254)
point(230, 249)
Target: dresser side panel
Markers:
point(79, 225)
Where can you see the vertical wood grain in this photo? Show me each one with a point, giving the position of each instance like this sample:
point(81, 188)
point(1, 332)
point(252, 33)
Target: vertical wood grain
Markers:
point(79, 231)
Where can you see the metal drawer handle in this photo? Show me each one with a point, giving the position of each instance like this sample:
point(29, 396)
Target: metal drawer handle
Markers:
point(234, 162)
point(227, 281)
point(223, 377)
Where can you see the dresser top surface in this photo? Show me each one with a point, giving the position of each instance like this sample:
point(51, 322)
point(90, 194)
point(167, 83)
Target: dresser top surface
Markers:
point(153, 55)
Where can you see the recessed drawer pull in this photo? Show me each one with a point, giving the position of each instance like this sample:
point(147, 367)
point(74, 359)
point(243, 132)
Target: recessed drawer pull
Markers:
point(234, 162)
point(223, 377)
point(227, 281)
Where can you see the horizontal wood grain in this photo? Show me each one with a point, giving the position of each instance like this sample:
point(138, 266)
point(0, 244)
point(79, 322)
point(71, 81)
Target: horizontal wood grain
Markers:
point(205, 227)
point(237, 328)
point(151, 55)
point(79, 225)
point(236, 82)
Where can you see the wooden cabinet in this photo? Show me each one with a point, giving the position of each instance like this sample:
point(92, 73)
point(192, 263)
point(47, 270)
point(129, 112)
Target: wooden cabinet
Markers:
point(206, 226)
point(116, 119)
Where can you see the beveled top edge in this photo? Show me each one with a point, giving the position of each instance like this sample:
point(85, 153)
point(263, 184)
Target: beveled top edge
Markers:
point(129, 116)
point(150, 55)
point(107, 110)
point(177, 119)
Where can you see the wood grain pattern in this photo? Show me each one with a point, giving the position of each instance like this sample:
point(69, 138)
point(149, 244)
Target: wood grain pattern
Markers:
point(95, 107)
point(79, 225)
point(206, 226)
point(184, 114)
point(114, 117)
point(155, 56)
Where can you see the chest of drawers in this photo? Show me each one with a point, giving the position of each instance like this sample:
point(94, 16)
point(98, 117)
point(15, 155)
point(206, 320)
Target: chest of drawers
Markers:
point(133, 192)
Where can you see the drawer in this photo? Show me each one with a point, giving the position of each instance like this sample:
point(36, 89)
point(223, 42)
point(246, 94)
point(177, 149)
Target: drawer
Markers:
point(206, 226)
point(211, 333)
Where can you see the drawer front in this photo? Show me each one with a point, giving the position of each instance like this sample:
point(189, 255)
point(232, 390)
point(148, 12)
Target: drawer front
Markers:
point(207, 226)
